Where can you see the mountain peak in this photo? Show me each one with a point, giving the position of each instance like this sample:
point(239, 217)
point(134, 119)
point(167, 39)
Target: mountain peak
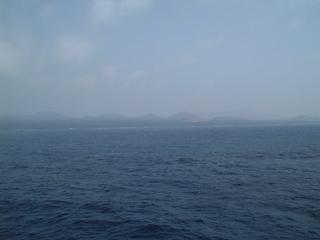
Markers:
point(46, 115)
point(150, 116)
point(185, 117)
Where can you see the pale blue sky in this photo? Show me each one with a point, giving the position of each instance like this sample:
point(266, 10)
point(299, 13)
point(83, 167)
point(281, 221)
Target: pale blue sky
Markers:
point(247, 58)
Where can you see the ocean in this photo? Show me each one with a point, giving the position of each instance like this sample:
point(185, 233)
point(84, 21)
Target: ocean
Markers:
point(161, 183)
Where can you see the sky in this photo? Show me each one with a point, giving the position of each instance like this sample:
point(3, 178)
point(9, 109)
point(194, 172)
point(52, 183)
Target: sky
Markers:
point(244, 58)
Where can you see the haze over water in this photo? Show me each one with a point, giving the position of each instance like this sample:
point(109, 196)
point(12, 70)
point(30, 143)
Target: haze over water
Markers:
point(249, 59)
point(154, 119)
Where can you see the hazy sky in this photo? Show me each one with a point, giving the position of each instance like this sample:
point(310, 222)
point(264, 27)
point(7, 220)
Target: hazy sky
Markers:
point(249, 58)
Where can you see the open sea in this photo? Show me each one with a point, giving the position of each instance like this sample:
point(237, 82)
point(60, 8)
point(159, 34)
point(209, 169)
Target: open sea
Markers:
point(160, 183)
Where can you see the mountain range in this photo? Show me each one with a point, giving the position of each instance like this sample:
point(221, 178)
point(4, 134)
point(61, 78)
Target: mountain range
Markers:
point(51, 119)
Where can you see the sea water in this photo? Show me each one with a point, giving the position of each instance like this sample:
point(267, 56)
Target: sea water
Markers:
point(161, 183)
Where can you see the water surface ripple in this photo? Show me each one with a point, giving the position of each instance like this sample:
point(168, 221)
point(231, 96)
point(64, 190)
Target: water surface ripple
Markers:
point(182, 183)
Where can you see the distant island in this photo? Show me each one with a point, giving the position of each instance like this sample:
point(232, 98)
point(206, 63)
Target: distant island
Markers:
point(48, 119)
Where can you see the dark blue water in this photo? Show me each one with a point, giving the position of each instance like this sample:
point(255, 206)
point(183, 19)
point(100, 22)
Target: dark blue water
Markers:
point(187, 183)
